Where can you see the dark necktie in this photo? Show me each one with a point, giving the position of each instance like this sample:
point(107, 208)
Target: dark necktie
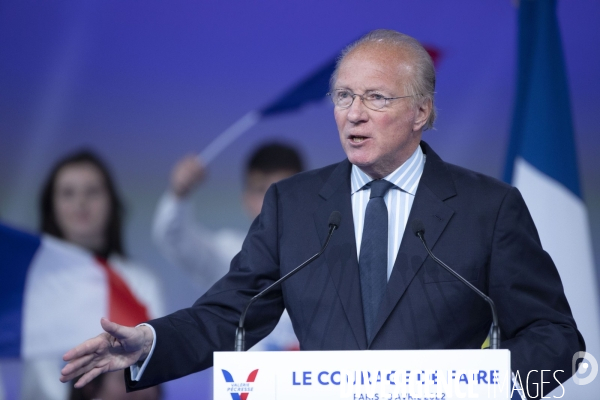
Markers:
point(373, 254)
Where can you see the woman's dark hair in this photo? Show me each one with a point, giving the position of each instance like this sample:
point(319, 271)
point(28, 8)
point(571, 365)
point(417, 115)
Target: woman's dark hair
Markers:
point(48, 223)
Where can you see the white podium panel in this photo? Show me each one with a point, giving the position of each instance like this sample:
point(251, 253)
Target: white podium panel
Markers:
point(362, 375)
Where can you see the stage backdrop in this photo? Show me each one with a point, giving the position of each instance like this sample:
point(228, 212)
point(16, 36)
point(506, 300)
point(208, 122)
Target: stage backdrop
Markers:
point(144, 83)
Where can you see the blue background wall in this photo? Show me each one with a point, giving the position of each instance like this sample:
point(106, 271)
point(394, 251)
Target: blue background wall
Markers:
point(145, 82)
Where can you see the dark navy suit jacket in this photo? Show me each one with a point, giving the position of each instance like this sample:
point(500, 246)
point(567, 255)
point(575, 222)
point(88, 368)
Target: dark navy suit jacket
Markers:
point(476, 224)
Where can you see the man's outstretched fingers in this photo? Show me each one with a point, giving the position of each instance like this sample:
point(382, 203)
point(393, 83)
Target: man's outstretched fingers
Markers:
point(116, 348)
point(77, 367)
point(88, 347)
point(88, 377)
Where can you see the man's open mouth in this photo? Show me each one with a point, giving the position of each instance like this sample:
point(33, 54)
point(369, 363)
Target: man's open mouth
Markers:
point(357, 139)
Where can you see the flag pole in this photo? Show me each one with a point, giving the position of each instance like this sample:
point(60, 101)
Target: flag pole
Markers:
point(227, 137)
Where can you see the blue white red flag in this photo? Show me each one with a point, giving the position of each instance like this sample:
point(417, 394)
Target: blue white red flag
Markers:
point(53, 294)
point(542, 163)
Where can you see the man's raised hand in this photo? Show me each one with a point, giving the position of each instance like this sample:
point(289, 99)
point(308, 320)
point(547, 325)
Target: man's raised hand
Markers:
point(117, 348)
point(186, 175)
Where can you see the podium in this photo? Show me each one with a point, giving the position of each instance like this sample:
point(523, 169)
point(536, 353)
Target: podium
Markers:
point(362, 375)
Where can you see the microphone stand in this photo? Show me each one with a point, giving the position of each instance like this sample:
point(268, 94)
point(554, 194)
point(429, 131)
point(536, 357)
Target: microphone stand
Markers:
point(240, 333)
point(495, 331)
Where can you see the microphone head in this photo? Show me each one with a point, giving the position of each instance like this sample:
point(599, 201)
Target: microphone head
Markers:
point(417, 227)
point(335, 218)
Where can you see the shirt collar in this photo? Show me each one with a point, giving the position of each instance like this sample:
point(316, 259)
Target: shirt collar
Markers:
point(405, 177)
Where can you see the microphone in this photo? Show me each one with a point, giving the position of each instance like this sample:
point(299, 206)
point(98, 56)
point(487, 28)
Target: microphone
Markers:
point(419, 230)
point(240, 333)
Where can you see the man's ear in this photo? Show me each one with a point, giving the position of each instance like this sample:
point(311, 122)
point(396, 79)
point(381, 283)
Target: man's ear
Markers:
point(423, 112)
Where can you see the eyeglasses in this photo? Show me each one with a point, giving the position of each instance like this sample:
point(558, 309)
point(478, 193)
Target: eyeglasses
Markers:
point(374, 101)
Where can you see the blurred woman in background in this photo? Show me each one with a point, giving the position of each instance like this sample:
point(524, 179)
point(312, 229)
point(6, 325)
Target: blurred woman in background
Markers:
point(79, 204)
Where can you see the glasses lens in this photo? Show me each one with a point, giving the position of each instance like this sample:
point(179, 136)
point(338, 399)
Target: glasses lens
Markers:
point(342, 98)
point(375, 103)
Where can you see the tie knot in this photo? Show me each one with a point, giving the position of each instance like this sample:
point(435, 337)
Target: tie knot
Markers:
point(379, 188)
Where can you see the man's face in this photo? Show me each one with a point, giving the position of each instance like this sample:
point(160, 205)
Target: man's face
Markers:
point(378, 141)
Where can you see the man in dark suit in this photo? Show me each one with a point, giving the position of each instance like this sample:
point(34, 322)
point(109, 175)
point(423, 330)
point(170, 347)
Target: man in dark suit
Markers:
point(375, 287)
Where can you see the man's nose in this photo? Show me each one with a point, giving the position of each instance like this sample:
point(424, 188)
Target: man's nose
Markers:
point(357, 111)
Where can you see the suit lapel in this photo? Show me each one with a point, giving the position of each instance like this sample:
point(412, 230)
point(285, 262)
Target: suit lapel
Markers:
point(341, 254)
point(435, 186)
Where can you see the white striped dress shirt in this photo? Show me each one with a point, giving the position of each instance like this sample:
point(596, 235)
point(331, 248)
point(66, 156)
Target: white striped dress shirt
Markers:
point(398, 200)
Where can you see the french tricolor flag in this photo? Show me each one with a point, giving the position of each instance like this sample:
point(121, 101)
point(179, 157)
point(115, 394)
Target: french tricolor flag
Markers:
point(542, 163)
point(53, 294)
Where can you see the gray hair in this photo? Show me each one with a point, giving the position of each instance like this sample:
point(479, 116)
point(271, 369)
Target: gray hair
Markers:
point(422, 86)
